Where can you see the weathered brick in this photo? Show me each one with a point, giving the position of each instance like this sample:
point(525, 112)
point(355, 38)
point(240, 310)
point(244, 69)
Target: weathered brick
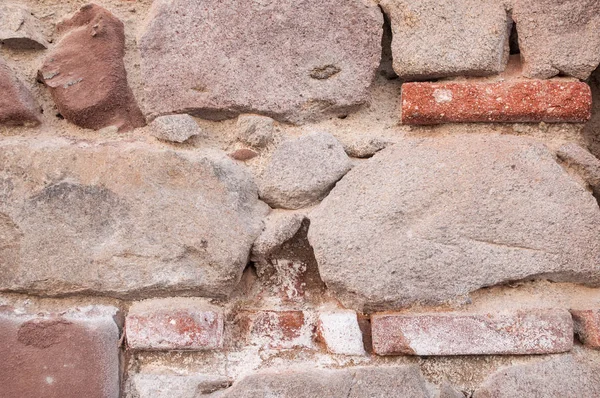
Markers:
point(174, 324)
point(276, 329)
point(587, 326)
point(340, 332)
point(74, 354)
point(520, 332)
point(507, 101)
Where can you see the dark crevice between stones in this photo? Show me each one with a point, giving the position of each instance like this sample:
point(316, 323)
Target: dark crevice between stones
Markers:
point(591, 130)
point(386, 65)
point(513, 40)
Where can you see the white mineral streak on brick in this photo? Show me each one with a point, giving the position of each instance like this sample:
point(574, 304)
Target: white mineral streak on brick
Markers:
point(519, 332)
point(340, 332)
point(442, 96)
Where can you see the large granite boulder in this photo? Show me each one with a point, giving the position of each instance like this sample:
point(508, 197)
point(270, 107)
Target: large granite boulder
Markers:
point(123, 219)
point(291, 60)
point(432, 219)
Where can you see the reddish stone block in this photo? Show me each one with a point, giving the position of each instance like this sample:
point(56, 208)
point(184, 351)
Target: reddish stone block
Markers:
point(75, 354)
point(507, 101)
point(276, 329)
point(519, 332)
point(17, 105)
point(587, 326)
point(174, 324)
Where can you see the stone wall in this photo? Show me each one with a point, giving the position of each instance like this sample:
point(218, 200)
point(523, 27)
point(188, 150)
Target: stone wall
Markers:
point(310, 198)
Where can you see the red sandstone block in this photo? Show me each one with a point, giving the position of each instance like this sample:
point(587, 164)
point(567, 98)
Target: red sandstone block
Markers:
point(174, 324)
point(74, 354)
point(507, 101)
point(276, 329)
point(587, 326)
point(519, 332)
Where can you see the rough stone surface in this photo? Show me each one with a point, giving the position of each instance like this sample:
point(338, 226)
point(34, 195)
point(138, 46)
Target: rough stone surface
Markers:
point(254, 130)
point(175, 128)
point(340, 332)
point(174, 324)
point(86, 74)
point(302, 171)
point(19, 29)
point(400, 382)
point(123, 219)
point(586, 164)
point(568, 375)
point(408, 225)
point(74, 354)
point(508, 101)
point(17, 105)
point(365, 147)
point(587, 326)
point(150, 385)
point(280, 226)
point(558, 37)
point(520, 332)
point(433, 38)
point(294, 61)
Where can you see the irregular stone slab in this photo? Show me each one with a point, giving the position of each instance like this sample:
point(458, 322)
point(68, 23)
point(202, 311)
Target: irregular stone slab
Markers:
point(294, 61)
point(19, 29)
point(340, 333)
point(17, 105)
point(587, 326)
point(255, 130)
point(302, 171)
point(400, 382)
point(409, 225)
point(151, 385)
point(86, 74)
point(568, 375)
point(508, 101)
point(433, 38)
point(174, 324)
point(124, 219)
point(175, 128)
point(74, 354)
point(517, 333)
point(586, 164)
point(558, 37)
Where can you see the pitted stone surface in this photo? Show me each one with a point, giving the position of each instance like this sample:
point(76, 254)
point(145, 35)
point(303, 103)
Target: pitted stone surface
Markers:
point(428, 220)
point(438, 38)
point(19, 29)
point(558, 37)
point(17, 105)
point(302, 171)
point(72, 354)
point(294, 61)
point(123, 219)
point(86, 73)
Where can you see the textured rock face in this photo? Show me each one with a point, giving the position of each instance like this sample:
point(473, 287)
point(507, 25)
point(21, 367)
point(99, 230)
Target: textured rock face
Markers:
point(570, 375)
point(17, 105)
point(19, 29)
point(558, 36)
point(433, 38)
point(123, 219)
point(294, 61)
point(303, 170)
point(401, 382)
point(86, 74)
point(411, 225)
point(72, 355)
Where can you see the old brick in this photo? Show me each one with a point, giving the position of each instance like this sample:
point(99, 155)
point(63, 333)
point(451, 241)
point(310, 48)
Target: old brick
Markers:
point(587, 326)
point(276, 329)
point(174, 324)
point(340, 332)
point(17, 105)
point(520, 332)
point(74, 354)
point(508, 101)
point(86, 73)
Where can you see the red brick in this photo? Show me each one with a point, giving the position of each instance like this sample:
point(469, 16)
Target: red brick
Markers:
point(276, 329)
point(519, 332)
point(507, 101)
point(587, 326)
point(75, 354)
point(174, 324)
